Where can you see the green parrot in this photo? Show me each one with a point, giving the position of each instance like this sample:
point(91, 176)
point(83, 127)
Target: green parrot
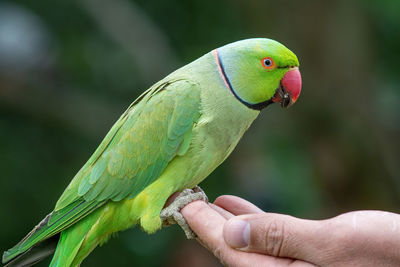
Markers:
point(169, 139)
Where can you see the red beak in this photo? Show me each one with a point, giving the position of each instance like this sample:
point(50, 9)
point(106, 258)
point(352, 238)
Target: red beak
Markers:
point(289, 89)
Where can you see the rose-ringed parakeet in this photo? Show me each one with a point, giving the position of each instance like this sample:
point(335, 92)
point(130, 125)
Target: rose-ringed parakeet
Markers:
point(170, 138)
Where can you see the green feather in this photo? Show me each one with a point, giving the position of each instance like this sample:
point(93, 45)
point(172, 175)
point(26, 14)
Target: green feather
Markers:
point(52, 224)
point(170, 138)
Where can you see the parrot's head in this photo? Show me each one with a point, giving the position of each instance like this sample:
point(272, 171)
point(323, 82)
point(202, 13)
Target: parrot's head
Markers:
point(260, 72)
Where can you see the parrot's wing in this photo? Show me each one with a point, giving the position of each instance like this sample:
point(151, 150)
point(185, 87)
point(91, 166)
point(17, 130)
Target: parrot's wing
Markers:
point(152, 131)
point(145, 139)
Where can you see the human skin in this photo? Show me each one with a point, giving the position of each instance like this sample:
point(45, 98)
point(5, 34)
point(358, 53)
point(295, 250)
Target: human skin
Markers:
point(240, 234)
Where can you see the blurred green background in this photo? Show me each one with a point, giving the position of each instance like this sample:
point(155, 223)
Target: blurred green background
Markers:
point(68, 69)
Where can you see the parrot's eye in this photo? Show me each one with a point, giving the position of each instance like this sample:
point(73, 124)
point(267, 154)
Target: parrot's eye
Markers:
point(268, 63)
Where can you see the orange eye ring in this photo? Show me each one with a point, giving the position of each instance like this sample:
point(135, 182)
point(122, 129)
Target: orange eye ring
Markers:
point(268, 63)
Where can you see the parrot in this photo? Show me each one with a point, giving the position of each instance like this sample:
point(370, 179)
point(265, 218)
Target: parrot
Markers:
point(169, 139)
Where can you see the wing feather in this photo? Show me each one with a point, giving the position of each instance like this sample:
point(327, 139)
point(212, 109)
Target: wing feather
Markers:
point(139, 146)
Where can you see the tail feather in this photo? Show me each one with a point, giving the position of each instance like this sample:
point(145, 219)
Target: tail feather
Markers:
point(35, 253)
point(51, 225)
point(65, 259)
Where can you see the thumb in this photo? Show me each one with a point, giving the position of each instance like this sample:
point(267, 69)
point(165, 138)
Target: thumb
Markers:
point(275, 235)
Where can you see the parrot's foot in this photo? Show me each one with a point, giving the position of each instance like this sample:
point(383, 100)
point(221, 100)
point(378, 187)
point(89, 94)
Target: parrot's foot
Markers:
point(172, 215)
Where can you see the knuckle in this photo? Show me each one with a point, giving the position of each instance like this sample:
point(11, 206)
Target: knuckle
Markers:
point(274, 237)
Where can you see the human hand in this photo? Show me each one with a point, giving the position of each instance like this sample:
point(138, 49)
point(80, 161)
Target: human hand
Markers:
point(208, 220)
point(240, 234)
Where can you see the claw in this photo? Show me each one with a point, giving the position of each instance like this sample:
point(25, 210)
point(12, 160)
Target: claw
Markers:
point(171, 214)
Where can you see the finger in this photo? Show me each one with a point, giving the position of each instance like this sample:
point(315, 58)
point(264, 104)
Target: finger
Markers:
point(224, 213)
point(236, 205)
point(208, 224)
point(276, 235)
point(205, 222)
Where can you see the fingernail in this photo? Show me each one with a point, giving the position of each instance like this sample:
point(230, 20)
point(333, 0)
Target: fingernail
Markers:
point(237, 233)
